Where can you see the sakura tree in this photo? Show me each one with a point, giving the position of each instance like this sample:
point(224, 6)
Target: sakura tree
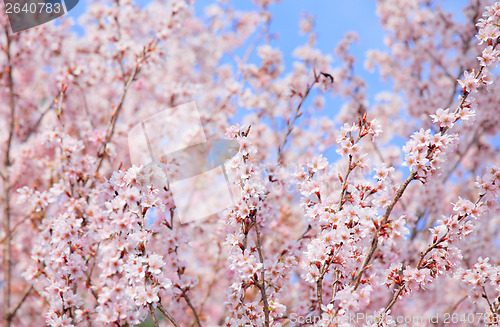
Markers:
point(385, 234)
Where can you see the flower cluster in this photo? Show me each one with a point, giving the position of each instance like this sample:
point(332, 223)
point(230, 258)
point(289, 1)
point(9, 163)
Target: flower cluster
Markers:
point(425, 152)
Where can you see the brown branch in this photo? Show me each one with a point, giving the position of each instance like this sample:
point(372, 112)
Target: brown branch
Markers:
point(420, 263)
point(85, 104)
point(319, 292)
point(485, 296)
point(167, 315)
point(344, 183)
point(12, 311)
point(153, 317)
point(45, 110)
point(304, 234)
point(188, 301)
point(13, 229)
point(262, 284)
point(88, 282)
point(394, 298)
point(110, 129)
point(357, 279)
point(420, 215)
point(297, 114)
point(6, 187)
point(335, 284)
point(319, 283)
point(59, 103)
point(122, 54)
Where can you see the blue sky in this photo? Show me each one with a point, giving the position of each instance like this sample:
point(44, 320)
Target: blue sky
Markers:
point(333, 18)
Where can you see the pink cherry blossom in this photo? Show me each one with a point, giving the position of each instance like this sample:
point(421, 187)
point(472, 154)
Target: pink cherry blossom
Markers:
point(382, 205)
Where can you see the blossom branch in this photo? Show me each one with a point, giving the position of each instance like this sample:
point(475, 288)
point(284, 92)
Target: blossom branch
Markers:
point(45, 110)
point(490, 306)
point(438, 241)
point(323, 270)
point(350, 168)
point(422, 263)
point(467, 91)
point(59, 102)
point(357, 278)
point(402, 188)
point(13, 229)
point(110, 129)
point(262, 284)
point(187, 299)
point(335, 285)
point(298, 113)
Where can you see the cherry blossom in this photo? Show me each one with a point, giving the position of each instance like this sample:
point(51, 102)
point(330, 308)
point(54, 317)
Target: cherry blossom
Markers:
point(386, 205)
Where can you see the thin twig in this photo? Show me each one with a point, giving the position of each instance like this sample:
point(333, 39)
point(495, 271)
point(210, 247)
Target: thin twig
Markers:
point(167, 315)
point(6, 189)
point(297, 114)
point(421, 263)
point(319, 283)
point(188, 301)
point(110, 129)
point(394, 298)
point(89, 275)
point(12, 312)
point(59, 103)
point(262, 283)
point(85, 105)
point(213, 281)
point(13, 229)
point(153, 317)
point(45, 110)
point(319, 292)
point(335, 284)
point(485, 296)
